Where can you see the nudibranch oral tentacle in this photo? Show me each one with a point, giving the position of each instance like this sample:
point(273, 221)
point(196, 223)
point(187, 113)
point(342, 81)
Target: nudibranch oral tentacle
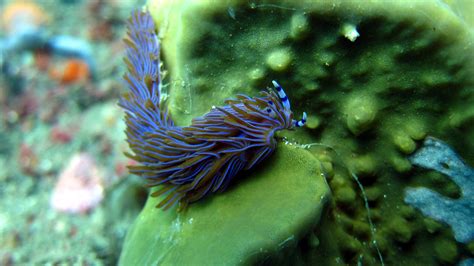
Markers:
point(189, 163)
point(301, 122)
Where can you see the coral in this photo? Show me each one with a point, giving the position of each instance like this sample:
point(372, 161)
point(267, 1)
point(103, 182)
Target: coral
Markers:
point(261, 218)
point(25, 31)
point(408, 74)
point(80, 186)
point(458, 213)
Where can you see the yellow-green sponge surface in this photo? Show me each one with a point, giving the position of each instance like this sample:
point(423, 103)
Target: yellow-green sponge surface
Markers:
point(262, 215)
point(375, 77)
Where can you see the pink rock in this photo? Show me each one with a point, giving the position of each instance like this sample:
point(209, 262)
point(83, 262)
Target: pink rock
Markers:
point(80, 186)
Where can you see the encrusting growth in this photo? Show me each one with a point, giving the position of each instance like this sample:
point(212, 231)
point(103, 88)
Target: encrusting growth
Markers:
point(191, 162)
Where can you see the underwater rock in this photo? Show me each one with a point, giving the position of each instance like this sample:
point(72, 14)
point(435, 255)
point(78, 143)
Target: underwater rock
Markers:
point(265, 213)
point(458, 213)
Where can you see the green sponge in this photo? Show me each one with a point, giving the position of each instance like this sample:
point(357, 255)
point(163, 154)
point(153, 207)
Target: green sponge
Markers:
point(266, 212)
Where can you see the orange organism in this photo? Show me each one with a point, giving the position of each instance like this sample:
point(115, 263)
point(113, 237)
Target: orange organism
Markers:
point(73, 71)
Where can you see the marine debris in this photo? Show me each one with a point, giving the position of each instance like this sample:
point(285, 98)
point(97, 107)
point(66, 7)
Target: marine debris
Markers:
point(191, 162)
point(458, 213)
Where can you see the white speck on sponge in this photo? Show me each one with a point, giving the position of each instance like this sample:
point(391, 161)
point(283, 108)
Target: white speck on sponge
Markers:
point(350, 31)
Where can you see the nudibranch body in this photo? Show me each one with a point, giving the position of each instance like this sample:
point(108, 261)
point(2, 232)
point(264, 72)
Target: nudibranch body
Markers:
point(194, 161)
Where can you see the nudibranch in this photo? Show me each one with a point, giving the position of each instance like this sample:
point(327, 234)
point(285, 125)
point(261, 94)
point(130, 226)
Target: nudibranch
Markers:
point(197, 160)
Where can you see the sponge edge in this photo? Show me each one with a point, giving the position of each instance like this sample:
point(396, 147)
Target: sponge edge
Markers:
point(266, 212)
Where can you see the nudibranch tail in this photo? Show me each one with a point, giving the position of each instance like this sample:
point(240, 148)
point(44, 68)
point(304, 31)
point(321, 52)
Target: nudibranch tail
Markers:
point(189, 163)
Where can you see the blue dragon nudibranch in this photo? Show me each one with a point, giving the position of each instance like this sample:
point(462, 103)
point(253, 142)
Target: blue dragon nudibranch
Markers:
point(194, 161)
